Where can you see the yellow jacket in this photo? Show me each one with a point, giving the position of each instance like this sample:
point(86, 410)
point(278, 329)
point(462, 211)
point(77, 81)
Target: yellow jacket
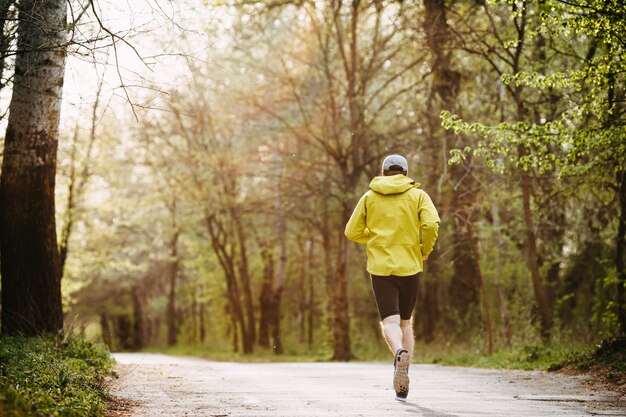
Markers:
point(389, 219)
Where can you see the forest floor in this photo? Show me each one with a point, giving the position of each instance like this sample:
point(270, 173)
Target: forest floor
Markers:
point(159, 385)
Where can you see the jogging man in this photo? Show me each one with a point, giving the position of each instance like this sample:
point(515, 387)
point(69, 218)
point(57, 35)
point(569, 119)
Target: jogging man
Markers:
point(399, 224)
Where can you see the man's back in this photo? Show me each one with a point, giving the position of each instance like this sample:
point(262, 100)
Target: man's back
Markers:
point(388, 218)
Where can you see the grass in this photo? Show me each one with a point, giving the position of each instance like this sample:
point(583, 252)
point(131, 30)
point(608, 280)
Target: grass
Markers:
point(530, 357)
point(611, 352)
point(50, 377)
point(607, 361)
point(604, 363)
point(610, 356)
point(224, 355)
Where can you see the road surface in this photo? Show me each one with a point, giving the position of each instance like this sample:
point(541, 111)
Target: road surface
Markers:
point(159, 386)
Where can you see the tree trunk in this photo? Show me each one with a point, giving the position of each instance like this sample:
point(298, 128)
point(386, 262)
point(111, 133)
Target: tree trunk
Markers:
point(311, 293)
point(266, 296)
point(202, 319)
point(620, 255)
point(234, 329)
point(124, 331)
point(280, 227)
point(531, 255)
point(502, 308)
point(328, 267)
point(153, 329)
point(300, 293)
point(238, 315)
point(351, 165)
point(465, 283)
point(172, 315)
point(271, 292)
point(504, 315)
point(341, 316)
point(277, 289)
point(249, 331)
point(277, 342)
point(483, 288)
point(106, 331)
point(140, 322)
point(304, 288)
point(193, 316)
point(427, 309)
point(226, 256)
point(31, 285)
point(69, 214)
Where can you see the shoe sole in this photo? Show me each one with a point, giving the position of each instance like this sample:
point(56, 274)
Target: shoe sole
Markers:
point(401, 375)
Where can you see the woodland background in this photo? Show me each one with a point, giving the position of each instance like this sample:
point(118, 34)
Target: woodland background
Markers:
point(210, 154)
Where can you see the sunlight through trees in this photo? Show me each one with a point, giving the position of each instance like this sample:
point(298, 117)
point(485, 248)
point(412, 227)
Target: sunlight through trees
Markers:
point(210, 154)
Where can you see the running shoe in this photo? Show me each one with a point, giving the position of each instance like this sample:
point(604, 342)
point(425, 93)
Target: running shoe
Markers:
point(401, 362)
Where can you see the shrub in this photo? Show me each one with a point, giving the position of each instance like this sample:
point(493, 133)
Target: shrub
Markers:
point(50, 377)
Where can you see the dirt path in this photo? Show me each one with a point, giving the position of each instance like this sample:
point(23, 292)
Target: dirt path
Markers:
point(159, 386)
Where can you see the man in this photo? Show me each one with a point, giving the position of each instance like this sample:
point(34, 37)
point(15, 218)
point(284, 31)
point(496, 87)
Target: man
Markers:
point(399, 224)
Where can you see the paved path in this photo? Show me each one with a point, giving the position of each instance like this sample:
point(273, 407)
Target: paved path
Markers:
point(160, 386)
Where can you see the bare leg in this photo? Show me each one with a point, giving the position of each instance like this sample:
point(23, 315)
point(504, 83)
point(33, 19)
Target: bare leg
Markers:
point(393, 332)
point(408, 342)
point(399, 336)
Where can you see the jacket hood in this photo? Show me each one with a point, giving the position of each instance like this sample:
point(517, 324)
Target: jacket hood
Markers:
point(393, 184)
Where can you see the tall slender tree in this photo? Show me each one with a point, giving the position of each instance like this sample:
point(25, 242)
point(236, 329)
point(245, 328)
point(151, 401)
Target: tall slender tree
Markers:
point(461, 189)
point(31, 287)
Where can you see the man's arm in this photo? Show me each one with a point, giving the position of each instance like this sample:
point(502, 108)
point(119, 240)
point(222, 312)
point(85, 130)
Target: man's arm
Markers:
point(429, 219)
point(356, 228)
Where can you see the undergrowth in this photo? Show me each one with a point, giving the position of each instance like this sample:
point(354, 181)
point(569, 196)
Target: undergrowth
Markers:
point(607, 359)
point(531, 357)
point(604, 362)
point(224, 355)
point(49, 377)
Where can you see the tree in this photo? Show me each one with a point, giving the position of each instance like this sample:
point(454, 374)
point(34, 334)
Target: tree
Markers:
point(78, 176)
point(503, 48)
point(340, 109)
point(585, 137)
point(31, 287)
point(462, 187)
point(274, 278)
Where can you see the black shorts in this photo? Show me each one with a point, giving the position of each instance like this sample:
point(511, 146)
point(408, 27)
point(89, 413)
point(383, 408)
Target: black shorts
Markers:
point(395, 295)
